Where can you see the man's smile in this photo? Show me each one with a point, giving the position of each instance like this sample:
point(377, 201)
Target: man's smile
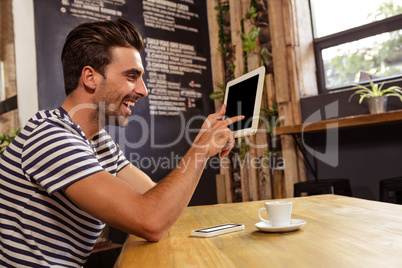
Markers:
point(129, 102)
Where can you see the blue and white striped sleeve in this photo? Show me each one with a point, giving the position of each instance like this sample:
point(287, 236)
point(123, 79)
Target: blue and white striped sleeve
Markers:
point(54, 157)
point(122, 160)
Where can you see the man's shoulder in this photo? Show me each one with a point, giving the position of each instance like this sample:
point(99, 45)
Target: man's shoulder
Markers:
point(102, 140)
point(52, 121)
point(55, 115)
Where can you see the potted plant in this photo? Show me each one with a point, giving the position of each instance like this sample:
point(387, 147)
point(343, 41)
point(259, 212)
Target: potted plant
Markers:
point(377, 96)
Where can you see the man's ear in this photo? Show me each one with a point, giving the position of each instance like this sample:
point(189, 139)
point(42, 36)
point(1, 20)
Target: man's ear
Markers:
point(88, 78)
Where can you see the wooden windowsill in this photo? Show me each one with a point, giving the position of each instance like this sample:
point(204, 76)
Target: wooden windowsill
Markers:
point(344, 122)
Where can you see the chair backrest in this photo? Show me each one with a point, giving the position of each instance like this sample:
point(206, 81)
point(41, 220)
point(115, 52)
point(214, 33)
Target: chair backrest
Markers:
point(339, 186)
point(391, 190)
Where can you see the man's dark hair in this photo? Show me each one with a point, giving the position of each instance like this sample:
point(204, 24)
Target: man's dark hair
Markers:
point(90, 44)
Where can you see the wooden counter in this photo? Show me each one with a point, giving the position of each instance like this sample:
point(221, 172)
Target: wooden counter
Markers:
point(340, 232)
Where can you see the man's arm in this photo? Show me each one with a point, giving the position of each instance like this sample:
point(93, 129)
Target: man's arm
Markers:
point(135, 177)
point(150, 214)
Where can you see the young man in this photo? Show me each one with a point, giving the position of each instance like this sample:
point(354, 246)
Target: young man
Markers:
point(63, 177)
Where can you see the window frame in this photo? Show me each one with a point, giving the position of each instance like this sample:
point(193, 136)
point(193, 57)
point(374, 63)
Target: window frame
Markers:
point(378, 27)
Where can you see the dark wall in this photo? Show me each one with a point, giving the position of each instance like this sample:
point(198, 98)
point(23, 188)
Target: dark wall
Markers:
point(365, 154)
point(176, 58)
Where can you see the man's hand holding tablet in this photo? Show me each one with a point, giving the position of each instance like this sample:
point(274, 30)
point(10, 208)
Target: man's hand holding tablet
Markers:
point(215, 135)
point(243, 97)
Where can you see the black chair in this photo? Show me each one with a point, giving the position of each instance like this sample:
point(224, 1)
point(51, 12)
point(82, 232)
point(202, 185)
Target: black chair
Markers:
point(391, 190)
point(107, 256)
point(325, 186)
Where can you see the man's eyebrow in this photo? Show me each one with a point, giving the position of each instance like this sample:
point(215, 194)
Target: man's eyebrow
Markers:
point(133, 70)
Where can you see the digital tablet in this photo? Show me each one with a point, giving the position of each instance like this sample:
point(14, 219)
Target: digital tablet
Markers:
point(243, 97)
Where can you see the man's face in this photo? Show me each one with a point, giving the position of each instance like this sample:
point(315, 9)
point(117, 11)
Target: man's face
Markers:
point(121, 88)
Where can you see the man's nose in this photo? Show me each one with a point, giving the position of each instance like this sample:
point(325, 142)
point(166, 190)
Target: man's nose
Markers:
point(141, 89)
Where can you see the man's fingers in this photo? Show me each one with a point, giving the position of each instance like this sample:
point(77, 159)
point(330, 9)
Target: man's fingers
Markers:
point(233, 119)
point(223, 110)
point(215, 129)
point(228, 146)
point(220, 115)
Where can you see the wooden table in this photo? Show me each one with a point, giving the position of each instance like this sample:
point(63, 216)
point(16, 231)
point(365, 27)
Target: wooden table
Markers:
point(340, 232)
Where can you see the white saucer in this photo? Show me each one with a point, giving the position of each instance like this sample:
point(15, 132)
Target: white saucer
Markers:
point(265, 226)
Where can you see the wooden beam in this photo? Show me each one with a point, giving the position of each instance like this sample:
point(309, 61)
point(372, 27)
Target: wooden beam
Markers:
point(305, 50)
point(217, 63)
point(277, 27)
point(285, 38)
point(220, 188)
point(8, 108)
point(237, 44)
point(218, 76)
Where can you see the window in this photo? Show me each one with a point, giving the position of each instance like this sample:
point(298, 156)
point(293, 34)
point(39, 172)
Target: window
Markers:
point(357, 40)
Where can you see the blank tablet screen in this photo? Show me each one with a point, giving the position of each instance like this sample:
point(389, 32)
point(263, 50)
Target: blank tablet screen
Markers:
point(241, 101)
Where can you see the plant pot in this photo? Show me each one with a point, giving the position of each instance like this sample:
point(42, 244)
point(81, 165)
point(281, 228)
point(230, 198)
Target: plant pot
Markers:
point(377, 104)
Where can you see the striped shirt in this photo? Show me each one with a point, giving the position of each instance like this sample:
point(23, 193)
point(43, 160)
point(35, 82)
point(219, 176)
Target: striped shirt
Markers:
point(39, 225)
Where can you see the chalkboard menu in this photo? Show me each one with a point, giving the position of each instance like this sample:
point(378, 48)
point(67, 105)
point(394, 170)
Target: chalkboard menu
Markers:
point(176, 59)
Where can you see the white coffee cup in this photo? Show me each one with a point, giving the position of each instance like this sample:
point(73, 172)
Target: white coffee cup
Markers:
point(279, 213)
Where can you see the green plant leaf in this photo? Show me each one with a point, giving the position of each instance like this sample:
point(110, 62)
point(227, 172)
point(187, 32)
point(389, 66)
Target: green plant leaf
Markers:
point(362, 98)
point(395, 95)
point(380, 87)
point(373, 86)
point(364, 93)
point(393, 89)
point(216, 95)
point(253, 34)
